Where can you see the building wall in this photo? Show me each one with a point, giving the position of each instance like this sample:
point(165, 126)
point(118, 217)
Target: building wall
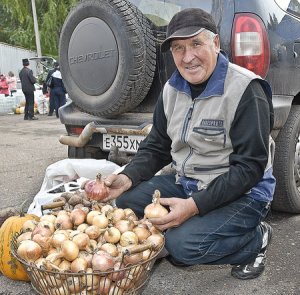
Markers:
point(11, 58)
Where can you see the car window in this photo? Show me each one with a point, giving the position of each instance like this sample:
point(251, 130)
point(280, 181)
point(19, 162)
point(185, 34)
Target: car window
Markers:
point(291, 6)
point(160, 12)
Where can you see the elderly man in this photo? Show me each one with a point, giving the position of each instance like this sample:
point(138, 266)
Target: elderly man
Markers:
point(212, 122)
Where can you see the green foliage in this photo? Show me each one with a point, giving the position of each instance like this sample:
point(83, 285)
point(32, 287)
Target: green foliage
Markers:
point(17, 27)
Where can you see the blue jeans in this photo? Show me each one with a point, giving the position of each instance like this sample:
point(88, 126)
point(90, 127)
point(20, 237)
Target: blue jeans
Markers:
point(227, 235)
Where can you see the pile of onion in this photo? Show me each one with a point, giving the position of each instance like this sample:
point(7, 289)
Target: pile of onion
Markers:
point(88, 242)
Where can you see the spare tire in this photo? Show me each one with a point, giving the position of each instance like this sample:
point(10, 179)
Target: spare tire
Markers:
point(107, 56)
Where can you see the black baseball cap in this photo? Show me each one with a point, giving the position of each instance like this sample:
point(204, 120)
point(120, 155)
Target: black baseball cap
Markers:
point(188, 23)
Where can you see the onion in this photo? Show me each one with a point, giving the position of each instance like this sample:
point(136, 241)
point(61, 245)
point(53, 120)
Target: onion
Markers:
point(96, 189)
point(47, 224)
point(107, 208)
point(78, 216)
point(93, 232)
point(82, 227)
point(23, 237)
point(128, 238)
point(130, 215)
point(29, 251)
point(29, 225)
point(102, 261)
point(87, 257)
point(155, 209)
point(79, 265)
point(114, 289)
point(65, 265)
point(90, 216)
point(126, 283)
point(89, 280)
point(124, 225)
point(142, 233)
point(44, 243)
point(118, 273)
point(112, 235)
point(58, 238)
point(42, 230)
point(82, 240)
point(100, 220)
point(104, 286)
point(133, 258)
point(63, 221)
point(69, 251)
point(110, 249)
point(156, 240)
point(48, 217)
point(74, 284)
point(116, 215)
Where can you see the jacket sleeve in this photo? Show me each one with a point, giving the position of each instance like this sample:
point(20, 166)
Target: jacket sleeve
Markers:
point(249, 135)
point(154, 151)
point(31, 77)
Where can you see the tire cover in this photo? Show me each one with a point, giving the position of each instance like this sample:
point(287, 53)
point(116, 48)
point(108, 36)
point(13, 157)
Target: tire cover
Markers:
point(107, 56)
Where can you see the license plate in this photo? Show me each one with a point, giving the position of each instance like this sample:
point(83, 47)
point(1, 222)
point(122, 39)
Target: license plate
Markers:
point(125, 143)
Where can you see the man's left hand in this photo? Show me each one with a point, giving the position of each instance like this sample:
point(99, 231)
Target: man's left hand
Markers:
point(180, 211)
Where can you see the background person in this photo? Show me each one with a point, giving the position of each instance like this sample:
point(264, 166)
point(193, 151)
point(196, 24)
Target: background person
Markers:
point(27, 82)
point(12, 83)
point(51, 97)
point(3, 85)
point(57, 90)
point(212, 122)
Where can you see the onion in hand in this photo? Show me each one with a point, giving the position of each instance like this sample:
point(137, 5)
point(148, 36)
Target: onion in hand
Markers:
point(155, 209)
point(96, 189)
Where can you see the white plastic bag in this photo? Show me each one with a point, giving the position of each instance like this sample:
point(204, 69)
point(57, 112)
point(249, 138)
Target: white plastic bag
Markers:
point(67, 175)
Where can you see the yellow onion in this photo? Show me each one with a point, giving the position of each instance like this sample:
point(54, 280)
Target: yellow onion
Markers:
point(29, 250)
point(155, 209)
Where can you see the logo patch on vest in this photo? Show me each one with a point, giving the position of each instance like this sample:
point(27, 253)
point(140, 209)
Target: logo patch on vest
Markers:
point(212, 123)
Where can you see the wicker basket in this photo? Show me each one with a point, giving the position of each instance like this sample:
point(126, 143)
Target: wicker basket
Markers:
point(131, 278)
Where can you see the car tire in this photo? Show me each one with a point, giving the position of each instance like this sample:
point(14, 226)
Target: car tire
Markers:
point(287, 165)
point(107, 56)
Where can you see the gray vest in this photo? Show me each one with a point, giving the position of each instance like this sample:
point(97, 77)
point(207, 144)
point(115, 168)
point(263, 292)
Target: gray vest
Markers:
point(199, 128)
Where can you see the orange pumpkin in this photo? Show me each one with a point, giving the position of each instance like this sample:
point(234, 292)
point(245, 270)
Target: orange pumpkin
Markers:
point(9, 265)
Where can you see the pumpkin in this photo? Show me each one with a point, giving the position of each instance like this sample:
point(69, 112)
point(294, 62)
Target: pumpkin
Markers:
point(9, 265)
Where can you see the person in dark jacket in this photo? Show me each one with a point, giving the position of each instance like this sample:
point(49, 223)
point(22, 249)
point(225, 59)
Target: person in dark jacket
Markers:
point(27, 82)
point(51, 97)
point(212, 121)
point(57, 90)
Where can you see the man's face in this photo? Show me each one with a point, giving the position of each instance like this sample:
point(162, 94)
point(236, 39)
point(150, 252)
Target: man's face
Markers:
point(196, 57)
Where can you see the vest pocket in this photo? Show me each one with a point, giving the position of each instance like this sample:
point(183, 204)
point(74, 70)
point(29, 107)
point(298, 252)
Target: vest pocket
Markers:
point(212, 134)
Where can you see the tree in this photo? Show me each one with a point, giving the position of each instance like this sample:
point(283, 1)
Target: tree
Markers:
point(17, 26)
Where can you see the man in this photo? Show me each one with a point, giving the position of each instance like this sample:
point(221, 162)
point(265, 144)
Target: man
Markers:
point(212, 122)
point(27, 82)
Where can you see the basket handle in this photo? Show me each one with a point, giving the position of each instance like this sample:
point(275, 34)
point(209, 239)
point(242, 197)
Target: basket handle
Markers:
point(137, 248)
point(53, 205)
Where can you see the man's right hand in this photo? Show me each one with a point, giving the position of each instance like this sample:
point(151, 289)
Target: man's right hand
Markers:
point(117, 184)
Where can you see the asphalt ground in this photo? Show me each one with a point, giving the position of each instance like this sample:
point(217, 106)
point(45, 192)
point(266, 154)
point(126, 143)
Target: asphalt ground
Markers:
point(27, 148)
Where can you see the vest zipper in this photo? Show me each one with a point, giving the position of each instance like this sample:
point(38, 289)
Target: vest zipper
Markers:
point(184, 132)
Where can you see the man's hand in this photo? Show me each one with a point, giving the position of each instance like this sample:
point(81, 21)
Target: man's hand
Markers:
point(180, 211)
point(117, 184)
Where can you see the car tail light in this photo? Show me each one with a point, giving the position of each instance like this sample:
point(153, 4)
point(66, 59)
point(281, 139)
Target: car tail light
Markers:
point(250, 44)
point(75, 130)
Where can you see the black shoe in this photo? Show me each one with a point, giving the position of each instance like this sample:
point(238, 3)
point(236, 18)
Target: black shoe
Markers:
point(25, 118)
point(257, 267)
point(33, 118)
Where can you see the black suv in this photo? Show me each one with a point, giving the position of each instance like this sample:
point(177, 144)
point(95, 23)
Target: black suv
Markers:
point(113, 70)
